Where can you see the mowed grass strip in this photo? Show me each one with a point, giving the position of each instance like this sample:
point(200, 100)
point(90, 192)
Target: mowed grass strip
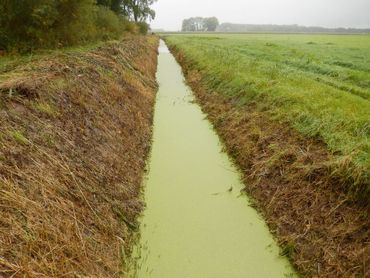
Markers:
point(318, 84)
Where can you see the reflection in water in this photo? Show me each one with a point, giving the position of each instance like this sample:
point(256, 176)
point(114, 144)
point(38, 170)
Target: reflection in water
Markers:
point(196, 223)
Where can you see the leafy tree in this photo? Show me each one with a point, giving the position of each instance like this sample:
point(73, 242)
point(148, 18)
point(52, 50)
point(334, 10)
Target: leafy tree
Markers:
point(210, 24)
point(186, 25)
point(139, 10)
point(199, 24)
point(115, 5)
point(28, 24)
point(193, 24)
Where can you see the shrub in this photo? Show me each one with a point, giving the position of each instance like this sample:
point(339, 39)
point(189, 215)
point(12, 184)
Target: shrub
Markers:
point(46, 23)
point(108, 24)
point(29, 24)
point(143, 27)
point(129, 26)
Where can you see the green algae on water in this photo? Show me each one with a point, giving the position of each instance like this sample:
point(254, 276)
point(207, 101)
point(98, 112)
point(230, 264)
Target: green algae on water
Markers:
point(196, 224)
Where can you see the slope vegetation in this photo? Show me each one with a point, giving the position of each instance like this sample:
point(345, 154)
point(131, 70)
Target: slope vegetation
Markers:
point(75, 131)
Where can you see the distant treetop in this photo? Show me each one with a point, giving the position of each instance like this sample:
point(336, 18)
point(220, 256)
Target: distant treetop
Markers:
point(200, 24)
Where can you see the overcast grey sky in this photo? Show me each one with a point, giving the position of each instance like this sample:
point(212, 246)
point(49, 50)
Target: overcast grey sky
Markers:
point(326, 13)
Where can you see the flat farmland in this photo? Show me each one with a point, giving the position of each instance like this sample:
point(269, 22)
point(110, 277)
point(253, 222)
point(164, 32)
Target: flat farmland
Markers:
point(317, 84)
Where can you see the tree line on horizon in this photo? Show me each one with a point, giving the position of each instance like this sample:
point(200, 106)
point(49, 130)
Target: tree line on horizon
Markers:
point(200, 24)
point(30, 24)
point(294, 28)
point(211, 24)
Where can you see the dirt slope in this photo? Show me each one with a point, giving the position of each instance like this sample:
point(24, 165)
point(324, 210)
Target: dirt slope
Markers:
point(320, 230)
point(75, 131)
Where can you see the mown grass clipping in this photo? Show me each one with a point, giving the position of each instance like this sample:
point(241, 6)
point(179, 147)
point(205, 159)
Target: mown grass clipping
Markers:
point(75, 131)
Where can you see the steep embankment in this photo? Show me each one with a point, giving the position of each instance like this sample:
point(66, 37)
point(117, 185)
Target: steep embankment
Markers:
point(322, 232)
point(75, 131)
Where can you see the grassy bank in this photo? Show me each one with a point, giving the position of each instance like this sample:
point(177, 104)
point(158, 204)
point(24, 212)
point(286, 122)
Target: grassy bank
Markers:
point(318, 85)
point(304, 161)
point(74, 136)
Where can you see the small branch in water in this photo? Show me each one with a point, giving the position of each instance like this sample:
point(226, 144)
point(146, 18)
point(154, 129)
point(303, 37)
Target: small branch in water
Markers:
point(229, 190)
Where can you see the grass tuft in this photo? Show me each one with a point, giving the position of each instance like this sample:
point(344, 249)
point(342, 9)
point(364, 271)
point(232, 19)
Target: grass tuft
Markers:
point(19, 137)
point(46, 108)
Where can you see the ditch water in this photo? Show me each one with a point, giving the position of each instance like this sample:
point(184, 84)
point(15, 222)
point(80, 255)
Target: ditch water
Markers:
point(197, 224)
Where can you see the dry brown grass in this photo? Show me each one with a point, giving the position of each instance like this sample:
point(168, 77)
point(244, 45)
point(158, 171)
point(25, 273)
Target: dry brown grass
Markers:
point(75, 132)
point(289, 177)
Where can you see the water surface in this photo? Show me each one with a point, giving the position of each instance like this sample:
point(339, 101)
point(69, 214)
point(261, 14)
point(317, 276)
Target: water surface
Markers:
point(197, 223)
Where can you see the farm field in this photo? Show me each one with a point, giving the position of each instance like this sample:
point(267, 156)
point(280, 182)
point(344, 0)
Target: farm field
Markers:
point(318, 84)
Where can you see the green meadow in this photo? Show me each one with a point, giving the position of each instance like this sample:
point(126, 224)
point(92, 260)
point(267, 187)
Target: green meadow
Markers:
point(317, 84)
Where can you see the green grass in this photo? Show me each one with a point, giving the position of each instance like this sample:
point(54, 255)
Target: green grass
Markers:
point(11, 61)
point(46, 108)
point(318, 84)
point(19, 137)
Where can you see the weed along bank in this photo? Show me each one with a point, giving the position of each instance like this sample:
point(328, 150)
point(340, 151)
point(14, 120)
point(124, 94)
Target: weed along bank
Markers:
point(197, 223)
